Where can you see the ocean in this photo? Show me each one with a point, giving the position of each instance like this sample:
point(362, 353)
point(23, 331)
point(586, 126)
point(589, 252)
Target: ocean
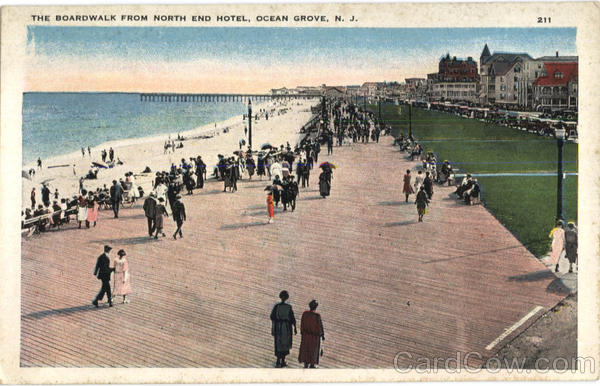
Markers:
point(62, 123)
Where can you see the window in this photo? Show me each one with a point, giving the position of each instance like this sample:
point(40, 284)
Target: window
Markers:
point(536, 74)
point(558, 75)
point(517, 69)
point(502, 87)
point(516, 79)
point(502, 79)
point(515, 87)
point(501, 96)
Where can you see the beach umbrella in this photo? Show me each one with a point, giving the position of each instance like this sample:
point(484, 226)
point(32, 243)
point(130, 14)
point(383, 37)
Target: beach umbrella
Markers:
point(266, 145)
point(47, 180)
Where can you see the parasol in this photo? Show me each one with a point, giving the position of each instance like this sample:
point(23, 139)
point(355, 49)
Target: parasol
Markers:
point(328, 164)
point(266, 145)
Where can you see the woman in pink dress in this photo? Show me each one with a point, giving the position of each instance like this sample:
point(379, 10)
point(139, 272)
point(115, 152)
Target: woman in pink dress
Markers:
point(92, 210)
point(122, 277)
point(558, 243)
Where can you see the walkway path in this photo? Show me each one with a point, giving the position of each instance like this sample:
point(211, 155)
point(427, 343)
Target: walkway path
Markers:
point(386, 284)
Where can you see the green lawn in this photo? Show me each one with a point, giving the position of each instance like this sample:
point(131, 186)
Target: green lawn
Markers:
point(525, 205)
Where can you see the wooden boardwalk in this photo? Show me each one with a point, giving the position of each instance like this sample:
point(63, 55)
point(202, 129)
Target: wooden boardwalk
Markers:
point(385, 283)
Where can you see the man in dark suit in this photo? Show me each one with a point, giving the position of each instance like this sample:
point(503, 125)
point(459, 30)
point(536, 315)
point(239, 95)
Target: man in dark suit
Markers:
point(150, 212)
point(116, 196)
point(102, 271)
point(178, 215)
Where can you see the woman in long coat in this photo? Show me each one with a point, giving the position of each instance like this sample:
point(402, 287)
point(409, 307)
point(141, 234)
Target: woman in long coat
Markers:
point(250, 165)
point(311, 328)
point(407, 189)
point(122, 277)
point(421, 202)
point(558, 243)
point(571, 244)
point(158, 220)
point(282, 320)
point(324, 184)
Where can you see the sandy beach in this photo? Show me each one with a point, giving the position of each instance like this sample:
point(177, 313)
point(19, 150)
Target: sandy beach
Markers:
point(284, 123)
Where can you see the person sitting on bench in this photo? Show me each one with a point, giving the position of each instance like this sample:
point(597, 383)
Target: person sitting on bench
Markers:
point(472, 193)
point(465, 185)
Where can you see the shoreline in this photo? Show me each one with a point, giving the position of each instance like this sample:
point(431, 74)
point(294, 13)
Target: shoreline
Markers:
point(284, 123)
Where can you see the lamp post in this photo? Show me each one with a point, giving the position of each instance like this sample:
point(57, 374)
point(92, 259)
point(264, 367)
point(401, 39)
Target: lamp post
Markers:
point(560, 140)
point(409, 119)
point(250, 124)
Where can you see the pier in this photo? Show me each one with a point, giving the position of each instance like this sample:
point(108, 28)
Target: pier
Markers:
point(205, 98)
point(459, 282)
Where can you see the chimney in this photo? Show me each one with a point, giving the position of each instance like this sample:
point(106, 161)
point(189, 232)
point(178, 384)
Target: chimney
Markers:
point(557, 54)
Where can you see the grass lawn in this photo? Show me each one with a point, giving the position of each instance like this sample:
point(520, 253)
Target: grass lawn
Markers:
point(525, 205)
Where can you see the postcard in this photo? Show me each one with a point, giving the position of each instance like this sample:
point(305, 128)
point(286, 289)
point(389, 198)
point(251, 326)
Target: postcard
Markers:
point(326, 192)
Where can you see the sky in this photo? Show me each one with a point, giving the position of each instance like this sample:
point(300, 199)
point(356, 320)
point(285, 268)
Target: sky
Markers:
point(255, 60)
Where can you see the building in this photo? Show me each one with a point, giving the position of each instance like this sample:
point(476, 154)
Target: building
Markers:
point(455, 92)
point(371, 88)
point(556, 88)
point(335, 92)
point(507, 78)
point(456, 80)
point(452, 69)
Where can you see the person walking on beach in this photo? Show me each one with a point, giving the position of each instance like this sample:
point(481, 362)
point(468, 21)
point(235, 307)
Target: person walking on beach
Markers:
point(178, 210)
point(158, 220)
point(282, 320)
point(422, 203)
point(122, 277)
point(116, 196)
point(39, 163)
point(102, 271)
point(82, 152)
point(311, 329)
point(150, 212)
point(407, 189)
point(45, 195)
point(33, 199)
point(270, 208)
point(330, 144)
point(89, 152)
point(557, 234)
point(111, 154)
point(103, 153)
